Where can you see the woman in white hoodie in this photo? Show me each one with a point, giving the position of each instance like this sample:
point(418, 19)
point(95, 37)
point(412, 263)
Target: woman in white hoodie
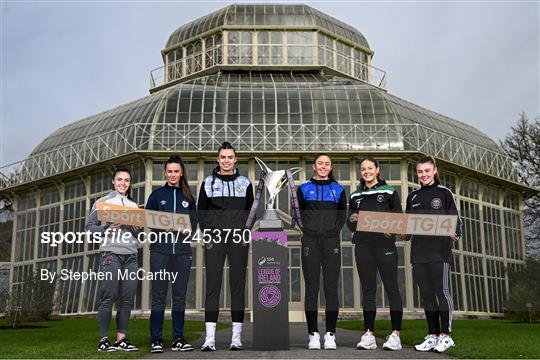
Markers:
point(118, 254)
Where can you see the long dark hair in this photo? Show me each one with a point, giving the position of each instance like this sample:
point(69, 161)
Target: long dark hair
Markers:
point(126, 170)
point(175, 159)
point(331, 173)
point(431, 160)
point(374, 161)
point(225, 146)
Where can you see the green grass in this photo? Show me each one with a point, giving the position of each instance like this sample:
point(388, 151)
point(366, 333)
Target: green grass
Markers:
point(479, 339)
point(78, 338)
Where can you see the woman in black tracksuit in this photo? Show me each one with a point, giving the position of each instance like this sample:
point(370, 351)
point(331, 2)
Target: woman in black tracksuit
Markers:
point(431, 256)
point(376, 252)
point(225, 200)
point(323, 207)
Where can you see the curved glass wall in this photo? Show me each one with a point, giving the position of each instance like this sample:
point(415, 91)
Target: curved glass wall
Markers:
point(266, 15)
point(262, 112)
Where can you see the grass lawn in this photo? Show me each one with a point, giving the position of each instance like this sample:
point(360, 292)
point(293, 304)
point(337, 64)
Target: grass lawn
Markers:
point(474, 338)
point(78, 338)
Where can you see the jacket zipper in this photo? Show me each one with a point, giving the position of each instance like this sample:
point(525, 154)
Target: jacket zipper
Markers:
point(174, 210)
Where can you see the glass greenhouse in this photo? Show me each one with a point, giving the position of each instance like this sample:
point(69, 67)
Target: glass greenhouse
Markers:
point(281, 82)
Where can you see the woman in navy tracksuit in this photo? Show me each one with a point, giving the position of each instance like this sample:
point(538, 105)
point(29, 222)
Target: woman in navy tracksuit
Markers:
point(224, 202)
point(323, 208)
point(172, 255)
point(431, 256)
point(376, 252)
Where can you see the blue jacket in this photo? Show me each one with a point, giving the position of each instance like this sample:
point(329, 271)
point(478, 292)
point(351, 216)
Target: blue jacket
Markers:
point(171, 199)
point(323, 207)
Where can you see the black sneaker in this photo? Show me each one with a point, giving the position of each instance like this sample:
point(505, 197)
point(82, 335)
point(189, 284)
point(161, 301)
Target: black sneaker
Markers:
point(105, 346)
point(125, 345)
point(181, 345)
point(156, 347)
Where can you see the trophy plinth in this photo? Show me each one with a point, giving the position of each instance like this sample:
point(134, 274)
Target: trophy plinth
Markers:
point(271, 263)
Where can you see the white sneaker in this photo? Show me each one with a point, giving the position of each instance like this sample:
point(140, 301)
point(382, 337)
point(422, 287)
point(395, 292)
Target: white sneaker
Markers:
point(314, 341)
point(236, 344)
point(209, 344)
point(428, 344)
point(236, 340)
point(329, 341)
point(445, 342)
point(210, 339)
point(367, 342)
point(393, 342)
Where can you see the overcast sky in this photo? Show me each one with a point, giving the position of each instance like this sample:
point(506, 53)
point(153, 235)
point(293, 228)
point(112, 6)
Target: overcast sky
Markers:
point(477, 62)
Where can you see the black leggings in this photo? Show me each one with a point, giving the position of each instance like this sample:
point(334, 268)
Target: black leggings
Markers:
point(214, 259)
point(434, 282)
point(370, 257)
point(317, 252)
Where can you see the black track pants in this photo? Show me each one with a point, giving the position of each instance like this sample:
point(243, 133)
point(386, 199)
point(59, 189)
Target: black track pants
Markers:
point(433, 279)
point(214, 258)
point(320, 252)
point(371, 257)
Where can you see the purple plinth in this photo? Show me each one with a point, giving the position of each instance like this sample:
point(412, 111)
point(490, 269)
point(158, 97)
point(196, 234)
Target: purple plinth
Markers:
point(272, 236)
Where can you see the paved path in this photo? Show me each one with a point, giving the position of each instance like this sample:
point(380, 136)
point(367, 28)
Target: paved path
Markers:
point(345, 339)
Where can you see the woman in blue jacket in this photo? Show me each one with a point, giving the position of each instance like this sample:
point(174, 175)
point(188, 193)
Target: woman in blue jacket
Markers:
point(171, 255)
point(323, 208)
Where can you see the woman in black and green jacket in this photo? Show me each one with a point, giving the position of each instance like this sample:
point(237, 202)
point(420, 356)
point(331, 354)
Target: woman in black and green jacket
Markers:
point(376, 252)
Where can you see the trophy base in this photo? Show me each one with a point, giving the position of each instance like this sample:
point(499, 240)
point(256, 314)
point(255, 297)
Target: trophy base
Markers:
point(270, 221)
point(270, 225)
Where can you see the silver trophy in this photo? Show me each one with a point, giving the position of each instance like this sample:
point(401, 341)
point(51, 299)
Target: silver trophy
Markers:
point(274, 182)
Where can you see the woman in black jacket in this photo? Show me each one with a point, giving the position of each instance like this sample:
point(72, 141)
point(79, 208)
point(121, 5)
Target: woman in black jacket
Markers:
point(323, 207)
point(224, 202)
point(431, 256)
point(376, 252)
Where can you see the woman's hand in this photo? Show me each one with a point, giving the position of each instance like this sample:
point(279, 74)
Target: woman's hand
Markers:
point(354, 217)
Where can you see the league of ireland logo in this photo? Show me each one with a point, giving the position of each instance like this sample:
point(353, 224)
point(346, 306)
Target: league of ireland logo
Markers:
point(269, 296)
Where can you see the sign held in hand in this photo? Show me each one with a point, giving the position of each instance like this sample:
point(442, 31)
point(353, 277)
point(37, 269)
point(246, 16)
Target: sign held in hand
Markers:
point(412, 224)
point(143, 218)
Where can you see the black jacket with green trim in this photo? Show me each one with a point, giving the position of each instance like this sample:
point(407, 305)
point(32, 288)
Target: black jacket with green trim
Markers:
point(381, 197)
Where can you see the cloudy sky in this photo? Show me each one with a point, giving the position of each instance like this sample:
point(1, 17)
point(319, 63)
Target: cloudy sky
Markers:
point(477, 62)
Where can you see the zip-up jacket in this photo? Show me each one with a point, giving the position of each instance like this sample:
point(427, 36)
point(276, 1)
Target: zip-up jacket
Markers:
point(381, 197)
point(171, 199)
point(434, 199)
point(323, 207)
point(114, 242)
point(225, 201)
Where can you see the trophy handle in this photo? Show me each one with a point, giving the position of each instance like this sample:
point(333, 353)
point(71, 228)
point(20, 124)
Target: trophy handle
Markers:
point(295, 170)
point(262, 165)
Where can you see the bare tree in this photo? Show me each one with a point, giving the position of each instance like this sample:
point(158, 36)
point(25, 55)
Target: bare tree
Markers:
point(522, 144)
